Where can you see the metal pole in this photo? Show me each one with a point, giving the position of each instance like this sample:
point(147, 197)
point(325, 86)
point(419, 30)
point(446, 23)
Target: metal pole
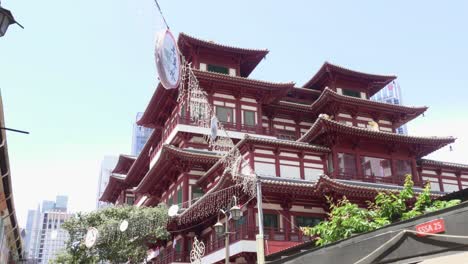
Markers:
point(226, 240)
point(260, 236)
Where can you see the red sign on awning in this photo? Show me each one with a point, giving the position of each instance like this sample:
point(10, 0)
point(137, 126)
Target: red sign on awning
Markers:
point(432, 227)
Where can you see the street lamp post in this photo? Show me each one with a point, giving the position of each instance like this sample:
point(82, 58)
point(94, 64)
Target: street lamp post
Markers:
point(235, 213)
point(6, 19)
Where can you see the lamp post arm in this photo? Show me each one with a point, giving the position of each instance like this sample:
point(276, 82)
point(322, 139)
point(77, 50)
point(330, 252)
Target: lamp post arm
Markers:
point(14, 130)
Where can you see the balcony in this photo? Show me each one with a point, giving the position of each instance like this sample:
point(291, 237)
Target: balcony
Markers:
point(242, 233)
point(390, 180)
point(176, 119)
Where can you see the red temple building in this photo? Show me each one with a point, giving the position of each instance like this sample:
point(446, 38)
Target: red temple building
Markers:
point(324, 138)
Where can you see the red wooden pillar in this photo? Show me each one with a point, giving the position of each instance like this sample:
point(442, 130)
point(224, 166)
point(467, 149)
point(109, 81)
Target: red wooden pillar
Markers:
point(252, 157)
point(238, 113)
point(259, 117)
point(325, 165)
point(301, 165)
point(277, 162)
point(298, 128)
point(359, 173)
point(336, 169)
point(185, 190)
point(286, 221)
point(394, 177)
point(251, 226)
point(414, 171)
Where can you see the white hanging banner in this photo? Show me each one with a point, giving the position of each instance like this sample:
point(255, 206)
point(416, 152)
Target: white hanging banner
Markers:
point(214, 128)
point(168, 60)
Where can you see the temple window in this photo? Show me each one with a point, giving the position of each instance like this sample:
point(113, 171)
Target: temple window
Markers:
point(217, 69)
point(197, 192)
point(303, 221)
point(248, 118)
point(352, 93)
point(450, 185)
point(372, 166)
point(270, 221)
point(225, 114)
point(290, 169)
point(402, 168)
point(130, 199)
point(179, 196)
point(346, 164)
point(312, 174)
point(265, 168)
point(434, 182)
point(170, 201)
point(286, 135)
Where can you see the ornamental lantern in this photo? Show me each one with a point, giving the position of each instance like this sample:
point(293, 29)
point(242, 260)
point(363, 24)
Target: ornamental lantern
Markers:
point(236, 212)
point(219, 228)
point(6, 19)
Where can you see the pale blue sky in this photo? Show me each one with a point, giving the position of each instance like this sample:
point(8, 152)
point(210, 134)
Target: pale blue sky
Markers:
point(80, 70)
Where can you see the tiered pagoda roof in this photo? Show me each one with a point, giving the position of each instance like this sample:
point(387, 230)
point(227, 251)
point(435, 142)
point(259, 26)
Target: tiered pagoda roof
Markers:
point(176, 160)
point(224, 189)
point(329, 99)
point(159, 107)
point(249, 58)
point(422, 145)
point(442, 164)
point(114, 187)
point(123, 164)
point(329, 72)
point(248, 139)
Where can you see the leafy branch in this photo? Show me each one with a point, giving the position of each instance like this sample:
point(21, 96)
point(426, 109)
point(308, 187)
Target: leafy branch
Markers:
point(346, 218)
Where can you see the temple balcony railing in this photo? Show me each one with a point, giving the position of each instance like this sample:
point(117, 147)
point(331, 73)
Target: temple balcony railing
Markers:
point(172, 257)
point(176, 119)
point(241, 233)
point(390, 180)
point(246, 233)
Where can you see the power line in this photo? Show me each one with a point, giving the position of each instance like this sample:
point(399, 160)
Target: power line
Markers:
point(160, 11)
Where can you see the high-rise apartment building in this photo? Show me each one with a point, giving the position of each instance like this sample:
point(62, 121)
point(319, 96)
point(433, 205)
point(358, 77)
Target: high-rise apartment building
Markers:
point(140, 136)
point(44, 235)
point(391, 94)
point(107, 165)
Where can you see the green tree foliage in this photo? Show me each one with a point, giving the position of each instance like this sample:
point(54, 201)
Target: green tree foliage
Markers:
point(346, 218)
point(147, 225)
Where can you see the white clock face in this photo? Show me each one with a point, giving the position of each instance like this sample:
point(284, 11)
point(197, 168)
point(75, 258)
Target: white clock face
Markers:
point(168, 60)
point(91, 237)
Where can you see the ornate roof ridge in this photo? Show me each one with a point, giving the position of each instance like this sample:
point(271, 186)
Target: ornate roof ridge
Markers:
point(377, 187)
point(327, 92)
point(443, 163)
point(395, 135)
point(327, 64)
point(245, 79)
point(187, 152)
point(183, 35)
point(248, 137)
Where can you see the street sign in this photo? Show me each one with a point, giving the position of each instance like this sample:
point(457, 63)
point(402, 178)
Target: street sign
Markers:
point(432, 227)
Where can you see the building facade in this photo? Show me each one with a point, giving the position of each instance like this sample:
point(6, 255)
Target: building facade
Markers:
point(107, 165)
point(391, 94)
point(323, 139)
point(11, 243)
point(44, 235)
point(139, 136)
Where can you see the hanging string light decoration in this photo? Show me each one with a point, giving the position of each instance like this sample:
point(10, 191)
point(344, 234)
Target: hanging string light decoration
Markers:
point(202, 113)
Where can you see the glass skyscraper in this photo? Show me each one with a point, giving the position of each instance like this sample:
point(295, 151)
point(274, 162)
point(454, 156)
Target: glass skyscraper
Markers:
point(391, 94)
point(140, 136)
